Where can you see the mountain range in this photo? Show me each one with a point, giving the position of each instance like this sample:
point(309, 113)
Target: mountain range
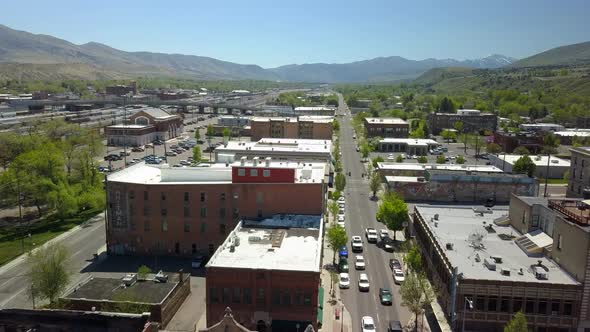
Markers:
point(53, 57)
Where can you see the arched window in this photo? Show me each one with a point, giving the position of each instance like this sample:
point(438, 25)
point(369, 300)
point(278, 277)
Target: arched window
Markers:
point(142, 120)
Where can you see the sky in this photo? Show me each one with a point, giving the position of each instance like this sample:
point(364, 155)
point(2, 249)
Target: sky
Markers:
point(274, 33)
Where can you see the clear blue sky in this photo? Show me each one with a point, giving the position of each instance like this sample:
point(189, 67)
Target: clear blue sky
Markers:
point(276, 32)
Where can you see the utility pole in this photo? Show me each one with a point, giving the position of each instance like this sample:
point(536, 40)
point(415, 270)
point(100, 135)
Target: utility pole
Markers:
point(547, 174)
point(124, 132)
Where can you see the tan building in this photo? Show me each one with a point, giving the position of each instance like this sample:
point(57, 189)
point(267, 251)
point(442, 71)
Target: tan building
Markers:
point(185, 211)
point(308, 127)
point(579, 181)
point(485, 270)
point(145, 126)
point(387, 127)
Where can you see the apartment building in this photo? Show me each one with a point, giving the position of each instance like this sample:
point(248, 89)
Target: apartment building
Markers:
point(185, 211)
point(579, 181)
point(306, 127)
point(386, 127)
point(268, 271)
point(473, 121)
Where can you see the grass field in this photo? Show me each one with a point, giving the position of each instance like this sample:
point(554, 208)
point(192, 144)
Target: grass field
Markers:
point(11, 238)
point(554, 181)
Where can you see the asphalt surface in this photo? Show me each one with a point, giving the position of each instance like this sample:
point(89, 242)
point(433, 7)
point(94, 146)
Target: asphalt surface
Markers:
point(360, 213)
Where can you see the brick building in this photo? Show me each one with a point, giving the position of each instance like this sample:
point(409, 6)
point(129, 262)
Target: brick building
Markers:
point(185, 211)
point(579, 181)
point(268, 270)
point(510, 141)
point(473, 121)
point(386, 127)
point(307, 127)
point(145, 126)
point(484, 272)
point(121, 90)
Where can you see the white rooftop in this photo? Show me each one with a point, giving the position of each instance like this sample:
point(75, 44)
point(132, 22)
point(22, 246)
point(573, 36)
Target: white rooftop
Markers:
point(274, 118)
point(282, 242)
point(279, 145)
point(572, 133)
point(314, 108)
point(129, 126)
point(422, 167)
point(539, 160)
point(409, 141)
point(412, 179)
point(465, 230)
point(386, 120)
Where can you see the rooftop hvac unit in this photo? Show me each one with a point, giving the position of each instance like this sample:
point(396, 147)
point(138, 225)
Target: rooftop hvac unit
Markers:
point(436, 216)
point(505, 272)
point(497, 259)
point(449, 246)
point(540, 273)
point(489, 264)
point(306, 172)
point(554, 161)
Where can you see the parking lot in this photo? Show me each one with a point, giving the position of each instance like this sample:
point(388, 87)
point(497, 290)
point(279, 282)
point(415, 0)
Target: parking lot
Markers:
point(159, 150)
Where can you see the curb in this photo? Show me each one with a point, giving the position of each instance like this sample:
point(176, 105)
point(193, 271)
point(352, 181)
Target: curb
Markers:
point(20, 259)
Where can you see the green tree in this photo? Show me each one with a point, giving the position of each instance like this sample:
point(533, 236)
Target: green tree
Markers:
point(477, 142)
point(63, 200)
point(416, 294)
point(375, 183)
point(340, 182)
point(422, 159)
point(550, 143)
point(521, 150)
point(197, 156)
point(413, 260)
point(197, 134)
point(525, 165)
point(393, 212)
point(48, 272)
point(365, 149)
point(440, 159)
point(493, 148)
point(376, 160)
point(209, 134)
point(336, 125)
point(446, 106)
point(336, 239)
point(143, 272)
point(227, 133)
point(460, 159)
point(333, 208)
point(449, 135)
point(518, 323)
point(399, 159)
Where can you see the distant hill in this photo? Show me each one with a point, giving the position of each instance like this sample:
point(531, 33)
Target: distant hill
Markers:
point(56, 71)
point(563, 55)
point(436, 75)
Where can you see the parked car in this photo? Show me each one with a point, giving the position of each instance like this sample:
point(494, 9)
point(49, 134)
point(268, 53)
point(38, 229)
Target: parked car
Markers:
point(344, 281)
point(398, 276)
point(124, 153)
point(364, 282)
point(383, 233)
point(367, 324)
point(138, 149)
point(386, 244)
point(394, 326)
point(343, 252)
point(343, 265)
point(341, 221)
point(359, 262)
point(394, 263)
point(385, 296)
point(171, 154)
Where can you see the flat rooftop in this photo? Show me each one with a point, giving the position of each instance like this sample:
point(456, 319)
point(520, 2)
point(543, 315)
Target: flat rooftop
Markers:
point(409, 179)
point(572, 133)
point(539, 160)
point(141, 173)
point(282, 242)
point(130, 126)
point(471, 241)
point(273, 118)
point(422, 167)
point(410, 141)
point(279, 145)
point(314, 108)
point(385, 120)
point(112, 289)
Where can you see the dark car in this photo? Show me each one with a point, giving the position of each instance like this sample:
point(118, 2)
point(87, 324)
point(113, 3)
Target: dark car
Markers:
point(394, 326)
point(343, 251)
point(385, 296)
point(395, 264)
point(343, 265)
point(386, 244)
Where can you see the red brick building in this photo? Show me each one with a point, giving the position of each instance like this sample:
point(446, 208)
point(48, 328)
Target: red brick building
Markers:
point(145, 126)
point(269, 272)
point(309, 127)
point(185, 211)
point(387, 127)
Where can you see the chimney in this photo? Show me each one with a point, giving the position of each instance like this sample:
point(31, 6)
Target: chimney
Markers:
point(267, 159)
point(255, 161)
point(243, 161)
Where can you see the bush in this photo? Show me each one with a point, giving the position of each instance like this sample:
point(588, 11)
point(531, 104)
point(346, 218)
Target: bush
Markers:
point(336, 195)
point(441, 159)
point(399, 159)
point(460, 159)
point(422, 159)
point(143, 271)
point(376, 160)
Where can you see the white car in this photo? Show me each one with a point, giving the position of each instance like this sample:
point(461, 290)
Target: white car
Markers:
point(341, 221)
point(341, 199)
point(357, 243)
point(390, 157)
point(383, 233)
point(398, 276)
point(404, 156)
point(341, 205)
point(359, 262)
point(344, 281)
point(371, 234)
point(367, 324)
point(364, 282)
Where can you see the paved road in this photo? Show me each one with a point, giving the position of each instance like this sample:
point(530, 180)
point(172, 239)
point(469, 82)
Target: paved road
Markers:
point(82, 244)
point(360, 213)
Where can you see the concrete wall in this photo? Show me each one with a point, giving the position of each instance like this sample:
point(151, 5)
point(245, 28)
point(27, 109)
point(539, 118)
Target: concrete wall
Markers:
point(579, 173)
point(574, 247)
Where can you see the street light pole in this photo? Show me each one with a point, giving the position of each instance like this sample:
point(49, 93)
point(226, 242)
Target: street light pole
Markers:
point(465, 310)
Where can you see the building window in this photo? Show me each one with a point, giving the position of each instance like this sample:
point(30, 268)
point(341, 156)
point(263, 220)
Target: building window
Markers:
point(203, 212)
point(236, 298)
point(480, 304)
point(298, 298)
point(146, 210)
point(222, 196)
point(164, 226)
point(146, 226)
point(186, 196)
point(131, 194)
point(542, 307)
point(286, 297)
point(163, 196)
point(505, 304)
point(568, 306)
point(225, 295)
point(131, 210)
point(307, 299)
point(492, 303)
point(222, 213)
point(187, 211)
point(203, 228)
point(555, 307)
point(202, 197)
point(253, 172)
point(241, 172)
point(145, 195)
point(517, 304)
point(164, 212)
point(559, 241)
point(194, 248)
point(187, 228)
point(261, 296)
point(276, 296)
point(529, 307)
point(247, 296)
point(213, 295)
point(222, 229)
point(266, 173)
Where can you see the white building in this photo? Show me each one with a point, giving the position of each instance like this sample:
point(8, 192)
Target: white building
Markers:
point(413, 146)
point(541, 127)
point(557, 166)
point(277, 148)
